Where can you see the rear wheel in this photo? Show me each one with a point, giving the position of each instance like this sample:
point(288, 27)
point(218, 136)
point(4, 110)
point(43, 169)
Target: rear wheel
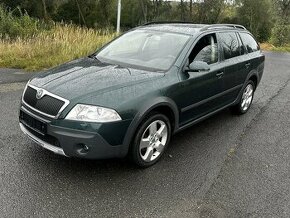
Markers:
point(151, 140)
point(246, 100)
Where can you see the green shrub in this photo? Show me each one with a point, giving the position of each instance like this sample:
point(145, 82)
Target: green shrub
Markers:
point(23, 26)
point(51, 48)
point(31, 44)
point(281, 35)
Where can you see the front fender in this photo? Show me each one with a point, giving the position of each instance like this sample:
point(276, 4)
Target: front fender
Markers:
point(145, 110)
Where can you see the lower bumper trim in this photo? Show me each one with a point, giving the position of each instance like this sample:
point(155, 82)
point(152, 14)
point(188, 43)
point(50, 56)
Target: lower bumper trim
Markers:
point(42, 143)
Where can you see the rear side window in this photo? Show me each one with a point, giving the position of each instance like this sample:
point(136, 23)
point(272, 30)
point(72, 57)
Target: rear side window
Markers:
point(230, 45)
point(242, 47)
point(249, 42)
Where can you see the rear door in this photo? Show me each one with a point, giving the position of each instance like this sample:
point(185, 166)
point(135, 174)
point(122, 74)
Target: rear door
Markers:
point(253, 57)
point(235, 65)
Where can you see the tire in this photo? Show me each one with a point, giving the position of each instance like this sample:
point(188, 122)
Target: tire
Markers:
point(246, 99)
point(151, 139)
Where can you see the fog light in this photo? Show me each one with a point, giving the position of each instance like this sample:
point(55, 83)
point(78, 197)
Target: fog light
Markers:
point(82, 149)
point(86, 148)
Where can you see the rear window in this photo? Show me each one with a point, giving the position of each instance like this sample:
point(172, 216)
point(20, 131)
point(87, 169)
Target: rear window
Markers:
point(249, 42)
point(230, 45)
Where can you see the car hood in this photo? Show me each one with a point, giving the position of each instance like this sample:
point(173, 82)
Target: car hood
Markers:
point(86, 76)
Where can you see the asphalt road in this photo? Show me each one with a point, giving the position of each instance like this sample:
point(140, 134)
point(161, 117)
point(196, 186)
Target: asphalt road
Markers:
point(226, 166)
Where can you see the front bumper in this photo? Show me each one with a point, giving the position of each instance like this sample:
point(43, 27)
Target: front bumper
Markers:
point(73, 142)
point(40, 142)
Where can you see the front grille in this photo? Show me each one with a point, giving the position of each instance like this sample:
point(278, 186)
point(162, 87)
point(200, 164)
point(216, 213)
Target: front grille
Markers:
point(47, 104)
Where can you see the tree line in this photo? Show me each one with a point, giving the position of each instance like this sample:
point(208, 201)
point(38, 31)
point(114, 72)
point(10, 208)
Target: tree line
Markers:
point(266, 19)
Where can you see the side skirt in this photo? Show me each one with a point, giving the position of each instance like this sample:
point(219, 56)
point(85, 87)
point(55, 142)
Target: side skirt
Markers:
point(203, 117)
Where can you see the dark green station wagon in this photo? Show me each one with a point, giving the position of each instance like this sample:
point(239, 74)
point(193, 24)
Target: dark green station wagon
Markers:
point(132, 95)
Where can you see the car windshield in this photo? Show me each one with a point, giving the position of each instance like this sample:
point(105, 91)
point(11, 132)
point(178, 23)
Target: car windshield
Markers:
point(145, 49)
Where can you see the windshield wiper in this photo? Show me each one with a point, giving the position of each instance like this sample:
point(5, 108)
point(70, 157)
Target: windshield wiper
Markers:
point(93, 56)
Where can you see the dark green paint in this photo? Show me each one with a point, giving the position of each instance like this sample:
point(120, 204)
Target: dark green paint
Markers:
point(133, 92)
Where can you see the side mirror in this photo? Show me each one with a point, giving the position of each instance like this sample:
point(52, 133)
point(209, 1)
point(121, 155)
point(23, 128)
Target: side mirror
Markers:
point(197, 66)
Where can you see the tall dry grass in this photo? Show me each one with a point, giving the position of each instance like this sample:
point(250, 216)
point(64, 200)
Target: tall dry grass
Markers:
point(50, 48)
point(270, 47)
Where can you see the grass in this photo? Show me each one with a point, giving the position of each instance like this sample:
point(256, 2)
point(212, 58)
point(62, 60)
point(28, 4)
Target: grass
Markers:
point(51, 47)
point(59, 44)
point(270, 47)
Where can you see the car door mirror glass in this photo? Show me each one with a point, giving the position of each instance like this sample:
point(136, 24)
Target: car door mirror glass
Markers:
point(198, 66)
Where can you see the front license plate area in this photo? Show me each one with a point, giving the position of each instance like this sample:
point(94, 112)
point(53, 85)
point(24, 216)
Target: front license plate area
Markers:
point(32, 123)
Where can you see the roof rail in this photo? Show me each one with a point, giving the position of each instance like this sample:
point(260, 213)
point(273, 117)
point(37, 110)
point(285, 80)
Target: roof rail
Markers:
point(213, 26)
point(167, 22)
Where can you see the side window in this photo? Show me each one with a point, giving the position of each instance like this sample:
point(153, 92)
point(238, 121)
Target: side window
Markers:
point(242, 47)
point(230, 44)
point(205, 50)
point(249, 42)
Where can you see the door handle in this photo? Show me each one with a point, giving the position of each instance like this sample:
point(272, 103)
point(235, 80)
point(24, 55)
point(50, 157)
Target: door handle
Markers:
point(248, 65)
point(220, 75)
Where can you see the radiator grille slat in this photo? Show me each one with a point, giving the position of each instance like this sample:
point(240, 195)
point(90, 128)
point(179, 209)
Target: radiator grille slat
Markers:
point(47, 104)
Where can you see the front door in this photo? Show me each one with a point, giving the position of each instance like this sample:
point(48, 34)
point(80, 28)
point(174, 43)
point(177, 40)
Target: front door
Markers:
point(199, 92)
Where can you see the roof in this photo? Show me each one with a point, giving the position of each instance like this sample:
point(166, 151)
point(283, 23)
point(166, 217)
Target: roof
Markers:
point(188, 28)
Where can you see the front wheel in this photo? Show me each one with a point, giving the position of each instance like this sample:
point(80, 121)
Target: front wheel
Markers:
point(246, 100)
point(151, 139)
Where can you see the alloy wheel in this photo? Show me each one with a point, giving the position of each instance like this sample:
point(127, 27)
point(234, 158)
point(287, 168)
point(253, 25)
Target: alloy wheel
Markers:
point(247, 97)
point(153, 140)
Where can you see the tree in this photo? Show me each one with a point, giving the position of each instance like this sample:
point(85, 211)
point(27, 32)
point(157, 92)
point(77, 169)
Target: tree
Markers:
point(144, 6)
point(283, 10)
point(182, 10)
point(81, 16)
point(12, 4)
point(209, 11)
point(259, 16)
point(44, 10)
point(256, 16)
point(281, 30)
point(190, 7)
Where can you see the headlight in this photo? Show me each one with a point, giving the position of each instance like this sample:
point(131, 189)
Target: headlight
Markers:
point(91, 113)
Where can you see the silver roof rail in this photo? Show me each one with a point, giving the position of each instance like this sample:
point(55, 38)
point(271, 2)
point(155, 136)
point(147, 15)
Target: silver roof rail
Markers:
point(214, 26)
point(167, 22)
